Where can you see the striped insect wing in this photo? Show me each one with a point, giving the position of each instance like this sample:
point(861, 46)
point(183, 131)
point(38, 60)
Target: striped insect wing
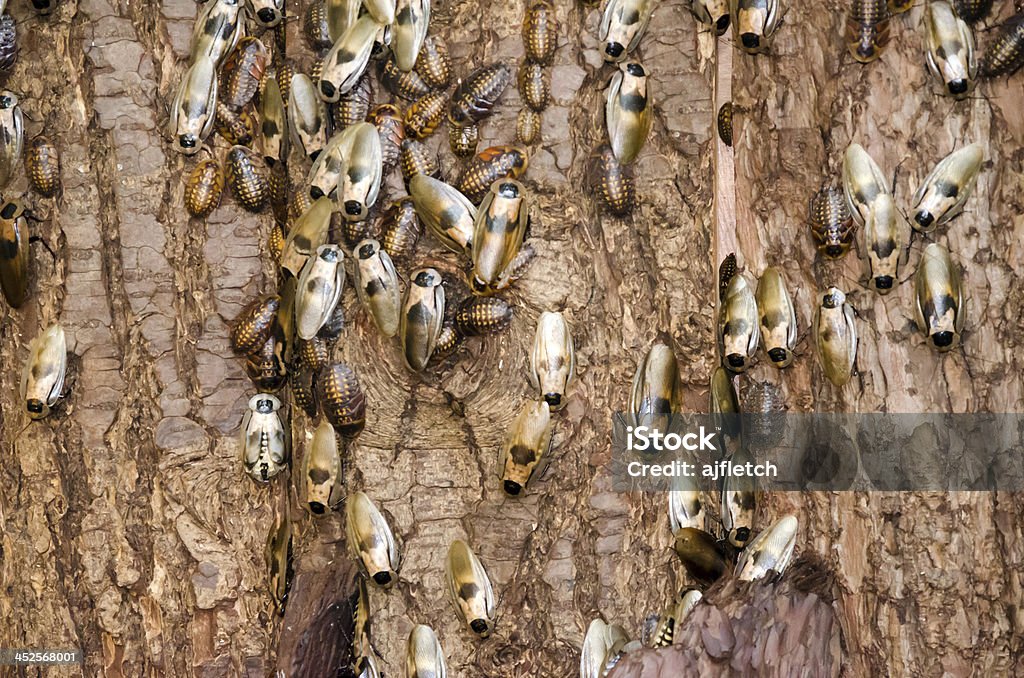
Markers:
point(939, 298)
point(391, 130)
point(14, 253)
point(470, 589)
point(42, 381)
point(342, 400)
point(422, 318)
point(265, 439)
point(371, 543)
point(739, 331)
point(553, 359)
point(425, 114)
point(8, 42)
point(777, 317)
point(527, 443)
point(770, 551)
point(424, 657)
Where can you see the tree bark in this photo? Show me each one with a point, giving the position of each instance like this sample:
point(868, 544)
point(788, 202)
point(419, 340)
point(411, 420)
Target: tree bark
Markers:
point(130, 530)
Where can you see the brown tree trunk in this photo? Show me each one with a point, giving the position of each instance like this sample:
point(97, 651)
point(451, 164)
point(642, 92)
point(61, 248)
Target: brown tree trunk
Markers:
point(129, 528)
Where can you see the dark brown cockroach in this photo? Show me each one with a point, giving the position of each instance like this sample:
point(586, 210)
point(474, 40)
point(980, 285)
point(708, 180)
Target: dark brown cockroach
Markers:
point(489, 165)
point(275, 242)
point(204, 188)
point(408, 85)
point(299, 203)
point(482, 315)
point(527, 126)
point(253, 326)
point(475, 96)
point(415, 158)
point(333, 327)
point(867, 29)
point(391, 130)
point(463, 140)
point(425, 114)
point(831, 222)
point(400, 229)
point(302, 382)
point(433, 64)
point(247, 177)
point(354, 105)
point(8, 43)
point(279, 186)
point(242, 72)
point(449, 340)
point(353, 232)
point(612, 182)
point(312, 354)
point(342, 399)
point(315, 27)
point(42, 164)
point(725, 123)
point(972, 11)
point(238, 129)
point(726, 272)
point(266, 367)
point(14, 254)
point(534, 85)
point(540, 32)
point(1006, 54)
point(700, 555)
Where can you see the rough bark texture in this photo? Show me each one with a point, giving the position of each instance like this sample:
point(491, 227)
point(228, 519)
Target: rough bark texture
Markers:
point(129, 528)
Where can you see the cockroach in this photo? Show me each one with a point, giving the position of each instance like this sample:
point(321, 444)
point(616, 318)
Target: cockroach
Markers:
point(42, 381)
point(501, 223)
point(425, 114)
point(14, 253)
point(770, 551)
point(475, 96)
point(755, 22)
point(265, 441)
point(685, 508)
point(193, 110)
point(656, 392)
point(739, 331)
point(400, 229)
point(353, 106)
point(345, 62)
point(8, 42)
point(377, 286)
point(835, 336)
point(307, 116)
point(524, 454)
point(778, 318)
point(409, 31)
point(1006, 54)
point(315, 27)
point(370, 541)
point(527, 126)
point(628, 112)
point(405, 84)
point(726, 271)
point(42, 164)
point(422, 318)
point(940, 298)
point(204, 188)
point(238, 129)
point(391, 131)
point(447, 341)
point(883, 237)
point(266, 368)
point(863, 182)
point(612, 182)
point(540, 32)
point(600, 645)
point(553, 359)
point(448, 214)
point(307, 233)
point(725, 123)
point(724, 406)
point(534, 85)
point(712, 13)
point(739, 502)
point(341, 15)
point(470, 589)
point(972, 11)
point(321, 468)
point(342, 400)
point(433, 64)
point(303, 386)
point(415, 158)
point(945, 190)
point(463, 140)
point(700, 554)
point(319, 290)
point(216, 31)
point(247, 177)
point(623, 23)
point(278, 557)
point(831, 222)
point(424, 657)
point(867, 29)
point(951, 55)
point(242, 73)
point(488, 166)
point(482, 315)
point(253, 326)
point(268, 13)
